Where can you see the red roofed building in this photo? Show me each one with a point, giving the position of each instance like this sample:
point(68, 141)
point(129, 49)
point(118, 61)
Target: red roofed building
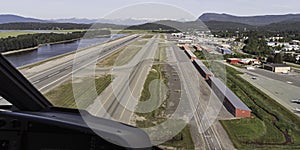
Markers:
point(233, 60)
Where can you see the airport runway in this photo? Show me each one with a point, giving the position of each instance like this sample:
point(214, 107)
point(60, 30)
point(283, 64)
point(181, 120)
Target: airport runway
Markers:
point(51, 77)
point(119, 99)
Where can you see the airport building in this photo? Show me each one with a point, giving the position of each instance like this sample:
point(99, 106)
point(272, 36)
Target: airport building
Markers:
point(203, 70)
point(233, 60)
point(231, 102)
point(278, 68)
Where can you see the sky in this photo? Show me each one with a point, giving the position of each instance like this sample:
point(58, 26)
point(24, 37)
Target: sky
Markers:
point(173, 9)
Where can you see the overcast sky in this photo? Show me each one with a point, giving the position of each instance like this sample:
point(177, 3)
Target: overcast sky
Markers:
point(53, 9)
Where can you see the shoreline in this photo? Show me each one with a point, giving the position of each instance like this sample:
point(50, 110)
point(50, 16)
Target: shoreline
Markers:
point(37, 47)
point(63, 55)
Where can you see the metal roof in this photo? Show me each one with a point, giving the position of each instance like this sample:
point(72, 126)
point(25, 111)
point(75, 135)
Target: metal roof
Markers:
point(203, 67)
point(190, 53)
point(232, 98)
point(277, 65)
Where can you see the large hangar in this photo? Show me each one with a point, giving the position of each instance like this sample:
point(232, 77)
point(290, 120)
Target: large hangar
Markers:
point(203, 70)
point(232, 103)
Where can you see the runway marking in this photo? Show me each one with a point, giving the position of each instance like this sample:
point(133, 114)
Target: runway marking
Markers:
point(106, 100)
point(34, 82)
point(78, 68)
point(134, 87)
point(53, 74)
point(84, 51)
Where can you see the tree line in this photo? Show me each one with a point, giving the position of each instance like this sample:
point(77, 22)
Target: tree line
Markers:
point(42, 26)
point(256, 45)
point(33, 40)
point(57, 26)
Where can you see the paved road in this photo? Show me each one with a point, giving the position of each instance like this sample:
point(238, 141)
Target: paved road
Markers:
point(190, 81)
point(51, 77)
point(119, 99)
point(275, 85)
point(47, 79)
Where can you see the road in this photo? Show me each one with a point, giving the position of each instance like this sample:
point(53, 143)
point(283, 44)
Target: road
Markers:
point(49, 78)
point(190, 80)
point(119, 99)
point(52, 76)
point(275, 85)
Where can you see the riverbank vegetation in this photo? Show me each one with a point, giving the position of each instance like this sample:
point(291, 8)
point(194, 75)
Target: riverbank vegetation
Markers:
point(34, 40)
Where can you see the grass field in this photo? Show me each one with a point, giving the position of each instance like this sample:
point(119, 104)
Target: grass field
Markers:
point(125, 31)
point(124, 55)
point(182, 140)
point(16, 33)
point(161, 55)
point(272, 125)
point(63, 95)
point(152, 117)
point(69, 31)
point(13, 34)
point(148, 36)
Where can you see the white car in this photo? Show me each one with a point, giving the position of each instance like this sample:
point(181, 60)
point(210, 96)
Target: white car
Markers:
point(296, 101)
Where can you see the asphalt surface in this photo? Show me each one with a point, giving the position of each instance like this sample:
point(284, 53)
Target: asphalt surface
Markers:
point(190, 80)
point(281, 87)
point(292, 78)
point(51, 77)
point(46, 80)
point(118, 100)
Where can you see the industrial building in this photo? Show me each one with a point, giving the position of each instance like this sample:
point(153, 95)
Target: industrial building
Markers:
point(206, 49)
point(197, 47)
point(203, 70)
point(188, 52)
point(244, 61)
point(232, 103)
point(233, 60)
point(224, 50)
point(181, 42)
point(191, 55)
point(186, 47)
point(279, 68)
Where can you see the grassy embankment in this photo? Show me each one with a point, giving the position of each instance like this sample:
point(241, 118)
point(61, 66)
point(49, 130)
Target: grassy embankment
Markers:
point(183, 139)
point(272, 125)
point(14, 33)
point(63, 95)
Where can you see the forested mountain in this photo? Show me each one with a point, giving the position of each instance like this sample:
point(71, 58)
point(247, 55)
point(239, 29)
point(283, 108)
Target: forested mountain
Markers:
point(283, 26)
point(217, 26)
point(14, 18)
point(230, 26)
point(171, 25)
point(55, 26)
point(250, 20)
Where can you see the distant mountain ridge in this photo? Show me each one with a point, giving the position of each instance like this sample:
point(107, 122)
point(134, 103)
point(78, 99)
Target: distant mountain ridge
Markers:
point(215, 22)
point(8, 18)
point(250, 20)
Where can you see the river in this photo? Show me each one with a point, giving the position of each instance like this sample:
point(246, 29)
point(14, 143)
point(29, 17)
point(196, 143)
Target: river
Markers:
point(48, 51)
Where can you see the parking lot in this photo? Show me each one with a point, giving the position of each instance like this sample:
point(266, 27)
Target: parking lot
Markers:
point(290, 78)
